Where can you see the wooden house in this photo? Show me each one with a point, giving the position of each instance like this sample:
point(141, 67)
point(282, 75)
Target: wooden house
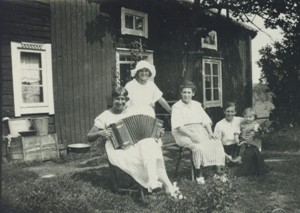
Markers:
point(62, 57)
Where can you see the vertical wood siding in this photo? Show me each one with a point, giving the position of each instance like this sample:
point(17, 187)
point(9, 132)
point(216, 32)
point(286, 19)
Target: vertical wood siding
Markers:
point(22, 21)
point(81, 70)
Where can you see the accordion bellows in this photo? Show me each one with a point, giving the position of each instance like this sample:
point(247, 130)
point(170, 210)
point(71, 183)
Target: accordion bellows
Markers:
point(131, 130)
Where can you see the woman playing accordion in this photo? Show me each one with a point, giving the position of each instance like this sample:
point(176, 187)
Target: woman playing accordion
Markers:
point(143, 161)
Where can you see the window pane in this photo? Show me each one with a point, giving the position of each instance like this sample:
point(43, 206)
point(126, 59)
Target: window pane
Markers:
point(208, 94)
point(139, 23)
point(215, 69)
point(216, 94)
point(122, 58)
point(124, 74)
point(126, 58)
point(31, 77)
point(207, 69)
point(207, 82)
point(32, 94)
point(215, 82)
point(129, 21)
point(31, 60)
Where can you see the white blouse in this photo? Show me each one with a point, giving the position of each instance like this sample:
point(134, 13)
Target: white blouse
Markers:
point(106, 118)
point(142, 97)
point(190, 113)
point(225, 130)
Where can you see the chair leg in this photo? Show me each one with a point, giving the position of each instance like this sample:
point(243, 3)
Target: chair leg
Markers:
point(140, 189)
point(142, 194)
point(178, 162)
point(114, 177)
point(192, 168)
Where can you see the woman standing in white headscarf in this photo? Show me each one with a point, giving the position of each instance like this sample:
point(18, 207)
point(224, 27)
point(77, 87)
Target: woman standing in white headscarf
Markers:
point(143, 92)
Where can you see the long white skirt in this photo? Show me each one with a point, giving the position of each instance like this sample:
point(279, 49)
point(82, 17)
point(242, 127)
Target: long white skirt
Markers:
point(135, 160)
point(206, 152)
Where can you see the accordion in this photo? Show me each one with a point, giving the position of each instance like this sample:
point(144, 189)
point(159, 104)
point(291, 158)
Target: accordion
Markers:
point(130, 130)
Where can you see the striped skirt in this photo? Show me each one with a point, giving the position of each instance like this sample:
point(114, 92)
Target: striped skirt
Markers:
point(207, 152)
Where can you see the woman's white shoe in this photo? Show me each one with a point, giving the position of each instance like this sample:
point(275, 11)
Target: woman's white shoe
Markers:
point(175, 192)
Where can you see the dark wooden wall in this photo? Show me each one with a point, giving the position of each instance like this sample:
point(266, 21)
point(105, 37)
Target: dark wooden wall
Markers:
point(234, 51)
point(26, 21)
point(83, 62)
point(82, 71)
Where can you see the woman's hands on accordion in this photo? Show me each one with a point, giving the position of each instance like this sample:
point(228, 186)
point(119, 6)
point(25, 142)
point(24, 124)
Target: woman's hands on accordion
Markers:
point(162, 131)
point(104, 133)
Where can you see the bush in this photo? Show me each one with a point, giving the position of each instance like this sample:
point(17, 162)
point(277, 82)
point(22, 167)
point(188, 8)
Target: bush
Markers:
point(282, 139)
point(214, 196)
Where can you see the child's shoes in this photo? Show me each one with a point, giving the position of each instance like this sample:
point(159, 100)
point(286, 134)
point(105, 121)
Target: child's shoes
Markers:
point(237, 160)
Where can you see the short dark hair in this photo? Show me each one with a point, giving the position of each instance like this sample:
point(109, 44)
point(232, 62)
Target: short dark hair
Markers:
point(119, 91)
point(188, 84)
point(229, 104)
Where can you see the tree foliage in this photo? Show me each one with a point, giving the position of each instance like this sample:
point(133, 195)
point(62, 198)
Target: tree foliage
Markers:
point(280, 63)
point(276, 13)
point(280, 66)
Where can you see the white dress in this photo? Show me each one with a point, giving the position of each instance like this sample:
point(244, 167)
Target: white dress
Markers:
point(134, 160)
point(142, 97)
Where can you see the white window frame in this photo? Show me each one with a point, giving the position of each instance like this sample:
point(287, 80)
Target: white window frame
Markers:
point(125, 30)
point(213, 103)
point(47, 106)
point(147, 55)
point(209, 46)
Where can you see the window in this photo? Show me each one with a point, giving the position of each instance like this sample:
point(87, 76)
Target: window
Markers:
point(212, 83)
point(124, 61)
point(134, 22)
point(32, 78)
point(210, 41)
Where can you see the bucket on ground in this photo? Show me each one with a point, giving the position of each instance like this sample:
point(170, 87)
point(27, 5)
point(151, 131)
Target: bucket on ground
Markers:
point(40, 124)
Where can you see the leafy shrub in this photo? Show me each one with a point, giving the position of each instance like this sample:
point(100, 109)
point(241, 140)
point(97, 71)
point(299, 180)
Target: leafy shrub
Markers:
point(214, 196)
point(282, 139)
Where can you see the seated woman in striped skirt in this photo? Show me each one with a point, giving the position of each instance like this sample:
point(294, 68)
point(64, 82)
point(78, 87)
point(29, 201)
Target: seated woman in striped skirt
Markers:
point(191, 128)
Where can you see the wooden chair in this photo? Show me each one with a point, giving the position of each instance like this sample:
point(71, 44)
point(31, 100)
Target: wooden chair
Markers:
point(118, 176)
point(182, 151)
point(169, 142)
point(135, 188)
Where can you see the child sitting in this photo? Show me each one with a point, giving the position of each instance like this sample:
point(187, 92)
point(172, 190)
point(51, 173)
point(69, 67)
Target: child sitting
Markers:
point(250, 146)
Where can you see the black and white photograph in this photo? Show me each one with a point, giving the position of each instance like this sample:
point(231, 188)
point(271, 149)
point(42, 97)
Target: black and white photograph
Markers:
point(150, 106)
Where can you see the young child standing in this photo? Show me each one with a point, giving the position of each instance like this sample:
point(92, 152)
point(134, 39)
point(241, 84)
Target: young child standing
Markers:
point(250, 146)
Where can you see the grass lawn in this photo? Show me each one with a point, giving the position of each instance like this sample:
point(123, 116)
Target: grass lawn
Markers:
point(85, 186)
